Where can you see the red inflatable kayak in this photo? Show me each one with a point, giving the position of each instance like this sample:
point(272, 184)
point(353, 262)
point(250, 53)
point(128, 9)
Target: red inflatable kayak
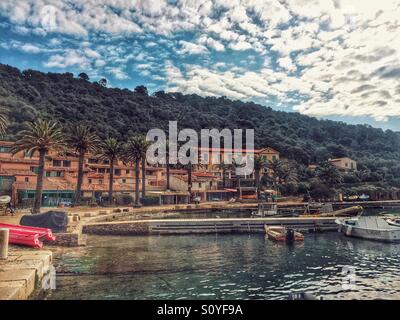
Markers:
point(28, 236)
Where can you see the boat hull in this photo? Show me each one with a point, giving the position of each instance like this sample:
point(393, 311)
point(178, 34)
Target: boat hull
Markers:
point(371, 234)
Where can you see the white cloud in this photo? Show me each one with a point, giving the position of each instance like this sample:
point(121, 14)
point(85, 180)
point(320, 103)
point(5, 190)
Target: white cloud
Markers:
point(346, 52)
point(191, 48)
point(70, 58)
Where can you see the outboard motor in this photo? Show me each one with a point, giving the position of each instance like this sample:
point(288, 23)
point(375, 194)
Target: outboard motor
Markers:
point(290, 235)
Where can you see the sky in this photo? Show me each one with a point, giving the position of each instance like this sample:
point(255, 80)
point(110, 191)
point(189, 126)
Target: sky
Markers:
point(330, 59)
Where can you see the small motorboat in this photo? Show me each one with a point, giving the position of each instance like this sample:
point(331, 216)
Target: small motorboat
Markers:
point(283, 234)
point(378, 227)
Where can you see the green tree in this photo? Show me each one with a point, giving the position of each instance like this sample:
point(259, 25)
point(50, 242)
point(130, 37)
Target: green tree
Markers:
point(40, 136)
point(83, 76)
point(83, 140)
point(112, 150)
point(260, 163)
point(135, 151)
point(103, 82)
point(329, 174)
point(3, 123)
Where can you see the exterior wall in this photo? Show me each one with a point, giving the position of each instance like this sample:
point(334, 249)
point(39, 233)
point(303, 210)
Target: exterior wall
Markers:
point(61, 171)
point(344, 163)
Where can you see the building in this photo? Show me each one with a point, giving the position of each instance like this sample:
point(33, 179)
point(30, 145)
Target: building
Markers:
point(344, 163)
point(209, 158)
point(205, 186)
point(18, 177)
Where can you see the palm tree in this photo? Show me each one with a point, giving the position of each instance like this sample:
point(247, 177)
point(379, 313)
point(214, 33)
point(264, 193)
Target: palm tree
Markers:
point(260, 163)
point(145, 146)
point(167, 157)
point(40, 136)
point(111, 150)
point(329, 174)
point(83, 140)
point(135, 152)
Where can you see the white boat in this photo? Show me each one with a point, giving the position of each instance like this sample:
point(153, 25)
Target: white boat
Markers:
point(266, 209)
point(378, 227)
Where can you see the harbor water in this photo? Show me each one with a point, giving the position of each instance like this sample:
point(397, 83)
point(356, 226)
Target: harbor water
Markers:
point(230, 266)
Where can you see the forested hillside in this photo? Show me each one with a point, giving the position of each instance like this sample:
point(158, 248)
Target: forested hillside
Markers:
point(123, 112)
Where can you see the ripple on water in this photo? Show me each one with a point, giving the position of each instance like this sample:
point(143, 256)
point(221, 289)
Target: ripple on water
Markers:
point(227, 266)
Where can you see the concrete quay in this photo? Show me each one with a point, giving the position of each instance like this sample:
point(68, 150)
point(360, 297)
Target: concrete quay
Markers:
point(197, 226)
point(22, 273)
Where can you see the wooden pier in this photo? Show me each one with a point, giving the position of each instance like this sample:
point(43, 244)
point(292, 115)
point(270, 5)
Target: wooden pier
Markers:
point(198, 226)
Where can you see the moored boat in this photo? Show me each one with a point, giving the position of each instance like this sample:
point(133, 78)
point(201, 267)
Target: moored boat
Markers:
point(377, 227)
point(283, 234)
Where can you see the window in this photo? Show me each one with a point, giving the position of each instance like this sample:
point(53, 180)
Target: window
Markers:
point(90, 180)
point(101, 181)
point(102, 170)
point(199, 184)
point(204, 157)
point(66, 163)
point(34, 169)
point(123, 180)
point(56, 163)
point(26, 179)
point(93, 160)
point(108, 170)
point(106, 161)
point(128, 171)
point(273, 157)
point(117, 172)
point(5, 149)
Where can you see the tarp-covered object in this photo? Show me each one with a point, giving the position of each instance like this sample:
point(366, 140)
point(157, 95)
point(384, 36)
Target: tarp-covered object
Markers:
point(57, 221)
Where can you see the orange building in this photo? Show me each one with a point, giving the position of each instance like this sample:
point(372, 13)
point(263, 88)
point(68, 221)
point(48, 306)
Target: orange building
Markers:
point(18, 177)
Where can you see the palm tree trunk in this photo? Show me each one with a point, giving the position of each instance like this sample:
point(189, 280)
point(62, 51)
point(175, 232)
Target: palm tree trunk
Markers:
point(80, 178)
point(223, 178)
point(111, 183)
point(168, 183)
point(143, 177)
point(190, 181)
point(257, 180)
point(137, 161)
point(39, 183)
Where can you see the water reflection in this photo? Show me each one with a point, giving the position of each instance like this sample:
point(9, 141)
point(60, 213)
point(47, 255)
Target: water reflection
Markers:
point(226, 267)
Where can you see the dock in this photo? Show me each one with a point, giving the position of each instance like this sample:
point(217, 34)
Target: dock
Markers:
point(22, 273)
point(199, 226)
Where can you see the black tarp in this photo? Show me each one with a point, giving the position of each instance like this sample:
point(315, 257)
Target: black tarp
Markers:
point(57, 221)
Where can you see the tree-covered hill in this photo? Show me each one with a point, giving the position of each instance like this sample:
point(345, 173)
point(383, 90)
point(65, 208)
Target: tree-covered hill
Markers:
point(122, 113)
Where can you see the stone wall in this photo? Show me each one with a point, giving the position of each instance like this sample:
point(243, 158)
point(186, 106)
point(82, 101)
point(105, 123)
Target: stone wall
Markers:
point(130, 228)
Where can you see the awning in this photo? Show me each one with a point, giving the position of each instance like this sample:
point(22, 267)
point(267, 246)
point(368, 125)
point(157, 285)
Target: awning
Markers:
point(231, 190)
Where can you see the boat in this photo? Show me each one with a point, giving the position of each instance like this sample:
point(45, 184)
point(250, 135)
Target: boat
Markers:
point(346, 212)
point(377, 227)
point(5, 199)
point(283, 234)
point(266, 209)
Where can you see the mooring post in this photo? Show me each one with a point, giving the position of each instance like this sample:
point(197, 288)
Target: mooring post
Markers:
point(4, 233)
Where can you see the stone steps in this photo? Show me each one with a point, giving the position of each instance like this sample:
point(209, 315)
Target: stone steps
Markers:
point(23, 272)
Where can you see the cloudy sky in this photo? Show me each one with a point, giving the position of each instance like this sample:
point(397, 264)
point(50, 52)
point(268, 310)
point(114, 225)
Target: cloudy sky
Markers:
point(326, 58)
